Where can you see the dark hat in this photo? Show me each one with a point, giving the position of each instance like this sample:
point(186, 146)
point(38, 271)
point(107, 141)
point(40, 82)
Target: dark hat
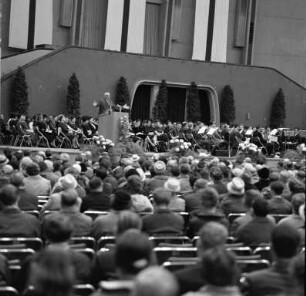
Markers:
point(264, 173)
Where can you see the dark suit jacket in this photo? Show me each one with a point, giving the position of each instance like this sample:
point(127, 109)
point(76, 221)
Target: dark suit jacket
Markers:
point(193, 202)
point(232, 204)
point(163, 221)
point(98, 201)
point(190, 279)
point(279, 205)
point(14, 223)
point(27, 201)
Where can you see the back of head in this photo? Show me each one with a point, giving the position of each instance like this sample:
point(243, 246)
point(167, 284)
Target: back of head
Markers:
point(297, 200)
point(285, 241)
point(184, 169)
point(53, 273)
point(146, 283)
point(161, 196)
point(219, 267)
point(121, 201)
point(8, 195)
point(200, 184)
point(216, 175)
point(277, 187)
point(212, 235)
point(17, 180)
point(33, 169)
point(134, 184)
point(133, 252)
point(250, 196)
point(260, 207)
point(209, 197)
point(57, 229)
point(69, 198)
point(95, 184)
point(128, 220)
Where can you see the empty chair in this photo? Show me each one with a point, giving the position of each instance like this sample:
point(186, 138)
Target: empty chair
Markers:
point(164, 253)
point(34, 243)
point(178, 240)
point(8, 291)
point(84, 241)
point(106, 240)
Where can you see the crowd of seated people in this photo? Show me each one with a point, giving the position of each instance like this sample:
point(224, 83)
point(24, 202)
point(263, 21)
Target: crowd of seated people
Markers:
point(108, 225)
point(44, 130)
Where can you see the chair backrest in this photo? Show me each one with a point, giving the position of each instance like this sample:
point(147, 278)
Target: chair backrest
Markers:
point(85, 241)
point(86, 251)
point(175, 266)
point(94, 214)
point(252, 265)
point(264, 252)
point(83, 290)
point(106, 240)
point(233, 216)
point(178, 240)
point(240, 251)
point(34, 243)
point(16, 256)
point(116, 287)
point(8, 291)
point(164, 253)
point(33, 212)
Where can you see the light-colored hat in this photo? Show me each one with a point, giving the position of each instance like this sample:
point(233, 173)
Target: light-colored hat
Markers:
point(77, 167)
point(237, 172)
point(49, 164)
point(68, 182)
point(173, 185)
point(159, 167)
point(7, 169)
point(64, 157)
point(3, 160)
point(236, 186)
point(135, 158)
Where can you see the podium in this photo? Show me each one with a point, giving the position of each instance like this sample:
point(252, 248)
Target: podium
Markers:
point(109, 125)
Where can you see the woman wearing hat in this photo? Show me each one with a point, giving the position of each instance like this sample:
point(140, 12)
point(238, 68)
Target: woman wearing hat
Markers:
point(176, 204)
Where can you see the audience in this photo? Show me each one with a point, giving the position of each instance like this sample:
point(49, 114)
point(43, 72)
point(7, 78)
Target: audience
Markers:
point(193, 200)
point(278, 204)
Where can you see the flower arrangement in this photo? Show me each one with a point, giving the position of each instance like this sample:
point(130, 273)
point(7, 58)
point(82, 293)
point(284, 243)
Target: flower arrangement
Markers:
point(124, 128)
point(249, 150)
point(105, 144)
point(179, 146)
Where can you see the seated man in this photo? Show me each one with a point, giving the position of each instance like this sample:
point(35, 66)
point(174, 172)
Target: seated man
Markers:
point(70, 207)
point(259, 229)
point(277, 279)
point(278, 204)
point(209, 212)
point(163, 221)
point(13, 222)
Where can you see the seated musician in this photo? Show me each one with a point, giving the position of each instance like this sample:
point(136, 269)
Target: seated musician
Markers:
point(150, 140)
point(85, 126)
point(161, 137)
point(23, 127)
point(63, 129)
point(44, 128)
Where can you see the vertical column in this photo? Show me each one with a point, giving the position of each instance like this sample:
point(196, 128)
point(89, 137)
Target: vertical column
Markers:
point(136, 26)
point(19, 23)
point(114, 25)
point(200, 29)
point(219, 44)
point(43, 22)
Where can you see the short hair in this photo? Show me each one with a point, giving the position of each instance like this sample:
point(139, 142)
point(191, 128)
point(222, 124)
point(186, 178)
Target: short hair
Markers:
point(33, 169)
point(101, 172)
point(250, 196)
point(128, 220)
point(146, 282)
point(260, 207)
point(184, 168)
point(8, 195)
point(134, 184)
point(122, 200)
point(95, 183)
point(175, 171)
point(57, 228)
point(200, 183)
point(17, 179)
point(161, 196)
point(209, 197)
point(277, 187)
point(133, 251)
point(219, 267)
point(42, 166)
point(285, 240)
point(211, 235)
point(297, 200)
point(69, 198)
point(216, 174)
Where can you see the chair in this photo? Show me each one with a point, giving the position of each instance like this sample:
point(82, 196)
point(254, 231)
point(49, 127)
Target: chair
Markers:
point(116, 287)
point(175, 266)
point(16, 256)
point(94, 214)
point(34, 213)
point(186, 217)
point(33, 243)
point(264, 252)
point(83, 290)
point(106, 240)
point(41, 138)
point(233, 216)
point(63, 140)
point(252, 265)
point(278, 217)
point(85, 241)
point(8, 291)
point(179, 240)
point(88, 252)
point(164, 253)
point(240, 251)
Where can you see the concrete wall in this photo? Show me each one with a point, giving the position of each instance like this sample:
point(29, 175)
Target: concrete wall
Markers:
point(280, 38)
point(98, 71)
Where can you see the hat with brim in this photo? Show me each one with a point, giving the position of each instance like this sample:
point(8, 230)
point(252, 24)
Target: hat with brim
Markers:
point(159, 167)
point(172, 185)
point(68, 182)
point(236, 186)
point(3, 160)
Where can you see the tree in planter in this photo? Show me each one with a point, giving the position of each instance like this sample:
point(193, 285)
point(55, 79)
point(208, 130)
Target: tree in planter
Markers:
point(19, 94)
point(227, 105)
point(73, 97)
point(161, 103)
point(193, 103)
point(122, 97)
point(278, 110)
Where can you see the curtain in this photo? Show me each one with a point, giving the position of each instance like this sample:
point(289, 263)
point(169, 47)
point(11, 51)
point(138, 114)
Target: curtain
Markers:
point(151, 35)
point(141, 103)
